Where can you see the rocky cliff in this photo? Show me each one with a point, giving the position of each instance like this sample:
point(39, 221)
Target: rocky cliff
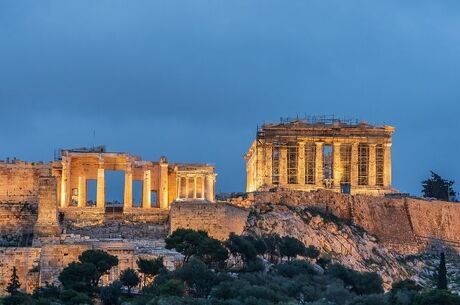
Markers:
point(344, 242)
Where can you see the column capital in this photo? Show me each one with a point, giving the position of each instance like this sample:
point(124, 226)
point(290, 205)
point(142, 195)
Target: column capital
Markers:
point(101, 160)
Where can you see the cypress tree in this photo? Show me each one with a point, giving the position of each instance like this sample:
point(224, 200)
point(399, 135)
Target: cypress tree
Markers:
point(442, 273)
point(14, 284)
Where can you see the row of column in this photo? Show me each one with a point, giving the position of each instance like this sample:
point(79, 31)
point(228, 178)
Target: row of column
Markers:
point(128, 188)
point(336, 163)
point(207, 189)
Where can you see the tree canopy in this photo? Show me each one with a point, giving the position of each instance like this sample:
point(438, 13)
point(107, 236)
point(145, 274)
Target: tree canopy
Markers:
point(439, 188)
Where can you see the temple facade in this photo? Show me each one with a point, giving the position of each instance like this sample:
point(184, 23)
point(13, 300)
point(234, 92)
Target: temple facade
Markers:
point(321, 153)
point(162, 182)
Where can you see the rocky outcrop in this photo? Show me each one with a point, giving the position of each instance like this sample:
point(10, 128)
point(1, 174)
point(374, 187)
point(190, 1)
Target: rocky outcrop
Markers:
point(344, 242)
point(404, 224)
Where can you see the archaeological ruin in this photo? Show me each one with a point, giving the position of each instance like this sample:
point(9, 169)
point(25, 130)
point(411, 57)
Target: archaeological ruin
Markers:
point(51, 212)
point(321, 153)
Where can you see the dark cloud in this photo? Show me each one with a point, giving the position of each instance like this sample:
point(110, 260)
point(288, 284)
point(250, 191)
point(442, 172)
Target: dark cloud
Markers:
point(192, 79)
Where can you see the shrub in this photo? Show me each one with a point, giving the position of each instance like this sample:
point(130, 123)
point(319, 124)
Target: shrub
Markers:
point(110, 295)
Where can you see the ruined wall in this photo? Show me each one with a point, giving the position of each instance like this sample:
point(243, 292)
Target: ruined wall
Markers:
point(218, 219)
point(26, 261)
point(19, 181)
point(39, 266)
point(16, 223)
point(435, 219)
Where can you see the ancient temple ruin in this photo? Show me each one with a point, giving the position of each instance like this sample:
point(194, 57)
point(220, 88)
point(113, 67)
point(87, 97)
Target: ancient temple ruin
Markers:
point(321, 153)
point(162, 182)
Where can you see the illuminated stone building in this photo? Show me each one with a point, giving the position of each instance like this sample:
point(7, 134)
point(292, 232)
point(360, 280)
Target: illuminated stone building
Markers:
point(321, 153)
point(162, 182)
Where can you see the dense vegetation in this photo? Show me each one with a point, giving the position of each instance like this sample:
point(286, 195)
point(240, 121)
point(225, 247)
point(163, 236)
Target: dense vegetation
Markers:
point(439, 188)
point(243, 270)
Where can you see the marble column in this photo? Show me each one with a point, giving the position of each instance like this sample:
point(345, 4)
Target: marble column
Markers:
point(319, 179)
point(100, 196)
point(209, 189)
point(372, 165)
point(64, 179)
point(387, 164)
point(268, 164)
point(301, 163)
point(354, 165)
point(147, 185)
point(336, 164)
point(128, 190)
point(81, 191)
point(283, 165)
point(164, 192)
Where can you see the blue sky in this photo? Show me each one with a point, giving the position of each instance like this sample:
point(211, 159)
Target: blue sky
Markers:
point(192, 79)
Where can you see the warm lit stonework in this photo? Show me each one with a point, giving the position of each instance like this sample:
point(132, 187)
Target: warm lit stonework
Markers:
point(162, 183)
point(321, 153)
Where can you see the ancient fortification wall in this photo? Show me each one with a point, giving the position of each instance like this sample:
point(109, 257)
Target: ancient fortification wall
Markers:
point(26, 261)
point(19, 181)
point(218, 219)
point(38, 266)
point(404, 221)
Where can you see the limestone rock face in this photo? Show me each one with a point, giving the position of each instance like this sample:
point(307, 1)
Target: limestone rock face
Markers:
point(345, 242)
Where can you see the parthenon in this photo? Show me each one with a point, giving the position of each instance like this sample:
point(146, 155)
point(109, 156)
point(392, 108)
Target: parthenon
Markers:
point(321, 153)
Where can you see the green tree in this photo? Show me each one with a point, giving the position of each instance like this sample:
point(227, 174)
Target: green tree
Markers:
point(130, 279)
point(312, 252)
point(358, 282)
point(78, 276)
point(291, 247)
point(407, 284)
point(439, 188)
point(149, 268)
point(212, 253)
point(241, 248)
point(110, 295)
point(186, 241)
point(273, 242)
point(258, 243)
point(437, 297)
point(442, 273)
point(101, 260)
point(72, 297)
point(198, 278)
point(13, 286)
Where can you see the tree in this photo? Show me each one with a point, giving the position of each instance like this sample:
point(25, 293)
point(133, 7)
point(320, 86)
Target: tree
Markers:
point(407, 284)
point(437, 297)
point(185, 241)
point(273, 242)
point(110, 295)
point(13, 286)
point(439, 188)
point(78, 276)
point(291, 247)
point(198, 278)
point(358, 282)
point(312, 252)
point(150, 268)
point(130, 279)
point(242, 248)
point(101, 260)
point(442, 273)
point(211, 252)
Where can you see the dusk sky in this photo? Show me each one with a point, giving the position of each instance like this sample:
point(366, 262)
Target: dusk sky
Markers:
point(191, 80)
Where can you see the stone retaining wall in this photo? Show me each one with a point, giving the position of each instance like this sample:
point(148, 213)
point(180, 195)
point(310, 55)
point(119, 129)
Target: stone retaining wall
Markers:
point(218, 219)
